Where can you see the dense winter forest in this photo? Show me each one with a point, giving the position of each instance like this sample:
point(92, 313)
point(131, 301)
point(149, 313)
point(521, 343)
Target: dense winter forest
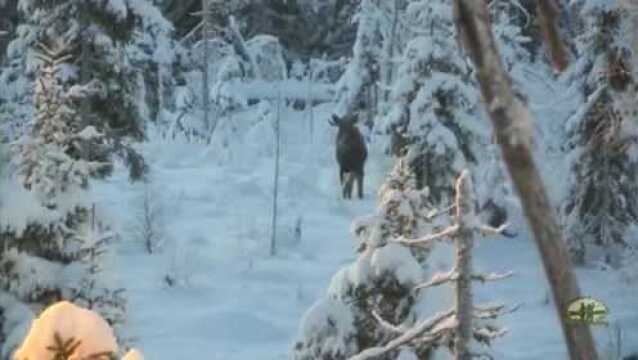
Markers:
point(318, 179)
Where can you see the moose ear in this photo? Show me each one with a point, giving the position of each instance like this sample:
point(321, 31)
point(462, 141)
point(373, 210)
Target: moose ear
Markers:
point(335, 118)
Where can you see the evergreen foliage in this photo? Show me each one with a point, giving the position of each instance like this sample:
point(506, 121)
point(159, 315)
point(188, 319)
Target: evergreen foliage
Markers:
point(57, 254)
point(602, 203)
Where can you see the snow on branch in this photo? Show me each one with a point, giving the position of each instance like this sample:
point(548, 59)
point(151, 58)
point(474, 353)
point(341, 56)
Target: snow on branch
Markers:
point(433, 328)
point(486, 334)
point(453, 275)
point(490, 230)
point(458, 323)
point(463, 213)
point(491, 276)
point(435, 213)
point(493, 311)
point(439, 279)
point(387, 325)
point(428, 240)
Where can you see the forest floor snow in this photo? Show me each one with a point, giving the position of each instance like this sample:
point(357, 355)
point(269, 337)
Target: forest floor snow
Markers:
point(230, 300)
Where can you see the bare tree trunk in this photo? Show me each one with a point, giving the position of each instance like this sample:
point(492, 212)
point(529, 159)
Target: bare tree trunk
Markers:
point(511, 123)
point(273, 238)
point(206, 32)
point(241, 50)
point(309, 102)
point(388, 64)
point(548, 14)
point(464, 243)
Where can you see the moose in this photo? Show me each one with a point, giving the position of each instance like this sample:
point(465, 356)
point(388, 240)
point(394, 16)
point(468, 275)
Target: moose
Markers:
point(351, 154)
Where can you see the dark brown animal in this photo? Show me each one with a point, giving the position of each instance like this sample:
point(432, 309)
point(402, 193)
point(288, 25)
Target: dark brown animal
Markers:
point(351, 154)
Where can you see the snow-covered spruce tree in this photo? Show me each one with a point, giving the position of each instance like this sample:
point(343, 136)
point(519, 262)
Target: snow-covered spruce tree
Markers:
point(98, 30)
point(51, 244)
point(602, 203)
point(379, 283)
point(465, 325)
point(435, 101)
point(369, 311)
point(151, 52)
point(361, 74)
point(16, 78)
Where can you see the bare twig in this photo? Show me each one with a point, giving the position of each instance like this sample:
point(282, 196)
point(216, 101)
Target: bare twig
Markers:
point(427, 240)
point(490, 230)
point(493, 311)
point(435, 213)
point(439, 279)
point(491, 277)
point(387, 325)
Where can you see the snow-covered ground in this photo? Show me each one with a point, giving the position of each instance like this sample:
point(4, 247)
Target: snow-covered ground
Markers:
point(232, 301)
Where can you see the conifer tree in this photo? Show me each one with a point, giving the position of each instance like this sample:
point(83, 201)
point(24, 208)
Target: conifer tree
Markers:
point(602, 144)
point(98, 32)
point(379, 284)
point(435, 101)
point(64, 236)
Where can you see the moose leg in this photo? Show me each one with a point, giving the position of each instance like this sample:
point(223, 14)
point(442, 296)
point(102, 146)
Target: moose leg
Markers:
point(360, 184)
point(341, 172)
point(347, 186)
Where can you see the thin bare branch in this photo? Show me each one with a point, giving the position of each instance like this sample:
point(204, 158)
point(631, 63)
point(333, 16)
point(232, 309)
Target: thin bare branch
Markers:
point(493, 311)
point(486, 334)
point(427, 240)
point(387, 325)
point(491, 277)
point(490, 230)
point(435, 213)
point(439, 279)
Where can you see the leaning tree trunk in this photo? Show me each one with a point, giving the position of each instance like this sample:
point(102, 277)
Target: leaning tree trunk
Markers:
point(512, 127)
